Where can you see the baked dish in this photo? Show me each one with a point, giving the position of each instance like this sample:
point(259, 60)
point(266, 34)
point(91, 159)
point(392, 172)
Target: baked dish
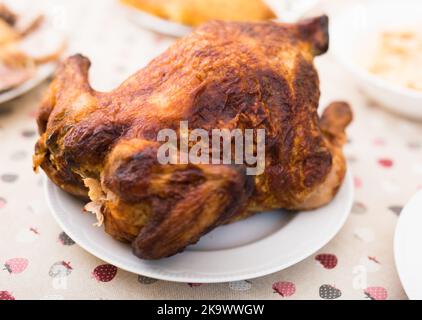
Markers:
point(196, 12)
point(18, 62)
point(103, 145)
point(397, 58)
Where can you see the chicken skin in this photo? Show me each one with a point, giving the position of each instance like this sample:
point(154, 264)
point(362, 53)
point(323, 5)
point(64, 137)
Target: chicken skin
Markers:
point(225, 75)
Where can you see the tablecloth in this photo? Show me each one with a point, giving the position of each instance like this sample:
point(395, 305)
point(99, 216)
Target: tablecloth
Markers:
point(40, 261)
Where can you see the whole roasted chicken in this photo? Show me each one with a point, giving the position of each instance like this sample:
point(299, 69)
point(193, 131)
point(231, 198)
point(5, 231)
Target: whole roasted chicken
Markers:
point(103, 146)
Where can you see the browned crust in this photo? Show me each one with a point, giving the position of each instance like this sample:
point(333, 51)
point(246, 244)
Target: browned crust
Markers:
point(316, 32)
point(224, 75)
point(334, 121)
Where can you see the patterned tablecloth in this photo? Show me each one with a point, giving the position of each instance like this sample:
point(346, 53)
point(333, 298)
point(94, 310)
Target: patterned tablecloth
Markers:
point(41, 262)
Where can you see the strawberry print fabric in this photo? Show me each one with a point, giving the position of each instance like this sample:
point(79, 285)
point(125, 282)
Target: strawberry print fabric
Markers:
point(39, 261)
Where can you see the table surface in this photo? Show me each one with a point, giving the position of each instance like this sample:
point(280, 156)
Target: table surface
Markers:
point(384, 154)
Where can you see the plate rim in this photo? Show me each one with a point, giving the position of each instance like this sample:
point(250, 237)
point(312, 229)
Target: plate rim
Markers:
point(155, 23)
point(41, 74)
point(399, 242)
point(48, 189)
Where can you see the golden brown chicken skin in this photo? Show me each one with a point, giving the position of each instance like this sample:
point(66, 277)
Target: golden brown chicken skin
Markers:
point(223, 75)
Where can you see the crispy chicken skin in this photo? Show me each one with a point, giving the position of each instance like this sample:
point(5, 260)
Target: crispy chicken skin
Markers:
point(223, 75)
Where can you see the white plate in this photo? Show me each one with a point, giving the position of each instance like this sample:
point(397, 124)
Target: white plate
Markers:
point(353, 33)
point(286, 11)
point(407, 247)
point(155, 23)
point(263, 244)
point(290, 10)
point(42, 73)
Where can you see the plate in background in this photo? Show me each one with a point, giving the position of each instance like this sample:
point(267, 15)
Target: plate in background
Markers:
point(155, 23)
point(41, 74)
point(407, 247)
point(257, 246)
point(287, 11)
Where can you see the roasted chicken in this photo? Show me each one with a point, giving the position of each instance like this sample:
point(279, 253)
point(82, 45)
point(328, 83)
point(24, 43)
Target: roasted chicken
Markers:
point(103, 145)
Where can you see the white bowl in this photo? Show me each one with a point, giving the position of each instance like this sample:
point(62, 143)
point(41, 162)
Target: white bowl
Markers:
point(353, 31)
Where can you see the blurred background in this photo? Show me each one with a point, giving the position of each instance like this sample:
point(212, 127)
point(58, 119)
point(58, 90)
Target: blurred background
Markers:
point(374, 63)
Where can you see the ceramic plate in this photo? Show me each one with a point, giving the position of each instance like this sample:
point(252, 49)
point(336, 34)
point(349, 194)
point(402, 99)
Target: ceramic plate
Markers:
point(288, 11)
point(260, 245)
point(407, 247)
point(155, 23)
point(42, 73)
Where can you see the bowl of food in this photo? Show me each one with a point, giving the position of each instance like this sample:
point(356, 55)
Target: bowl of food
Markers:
point(380, 44)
